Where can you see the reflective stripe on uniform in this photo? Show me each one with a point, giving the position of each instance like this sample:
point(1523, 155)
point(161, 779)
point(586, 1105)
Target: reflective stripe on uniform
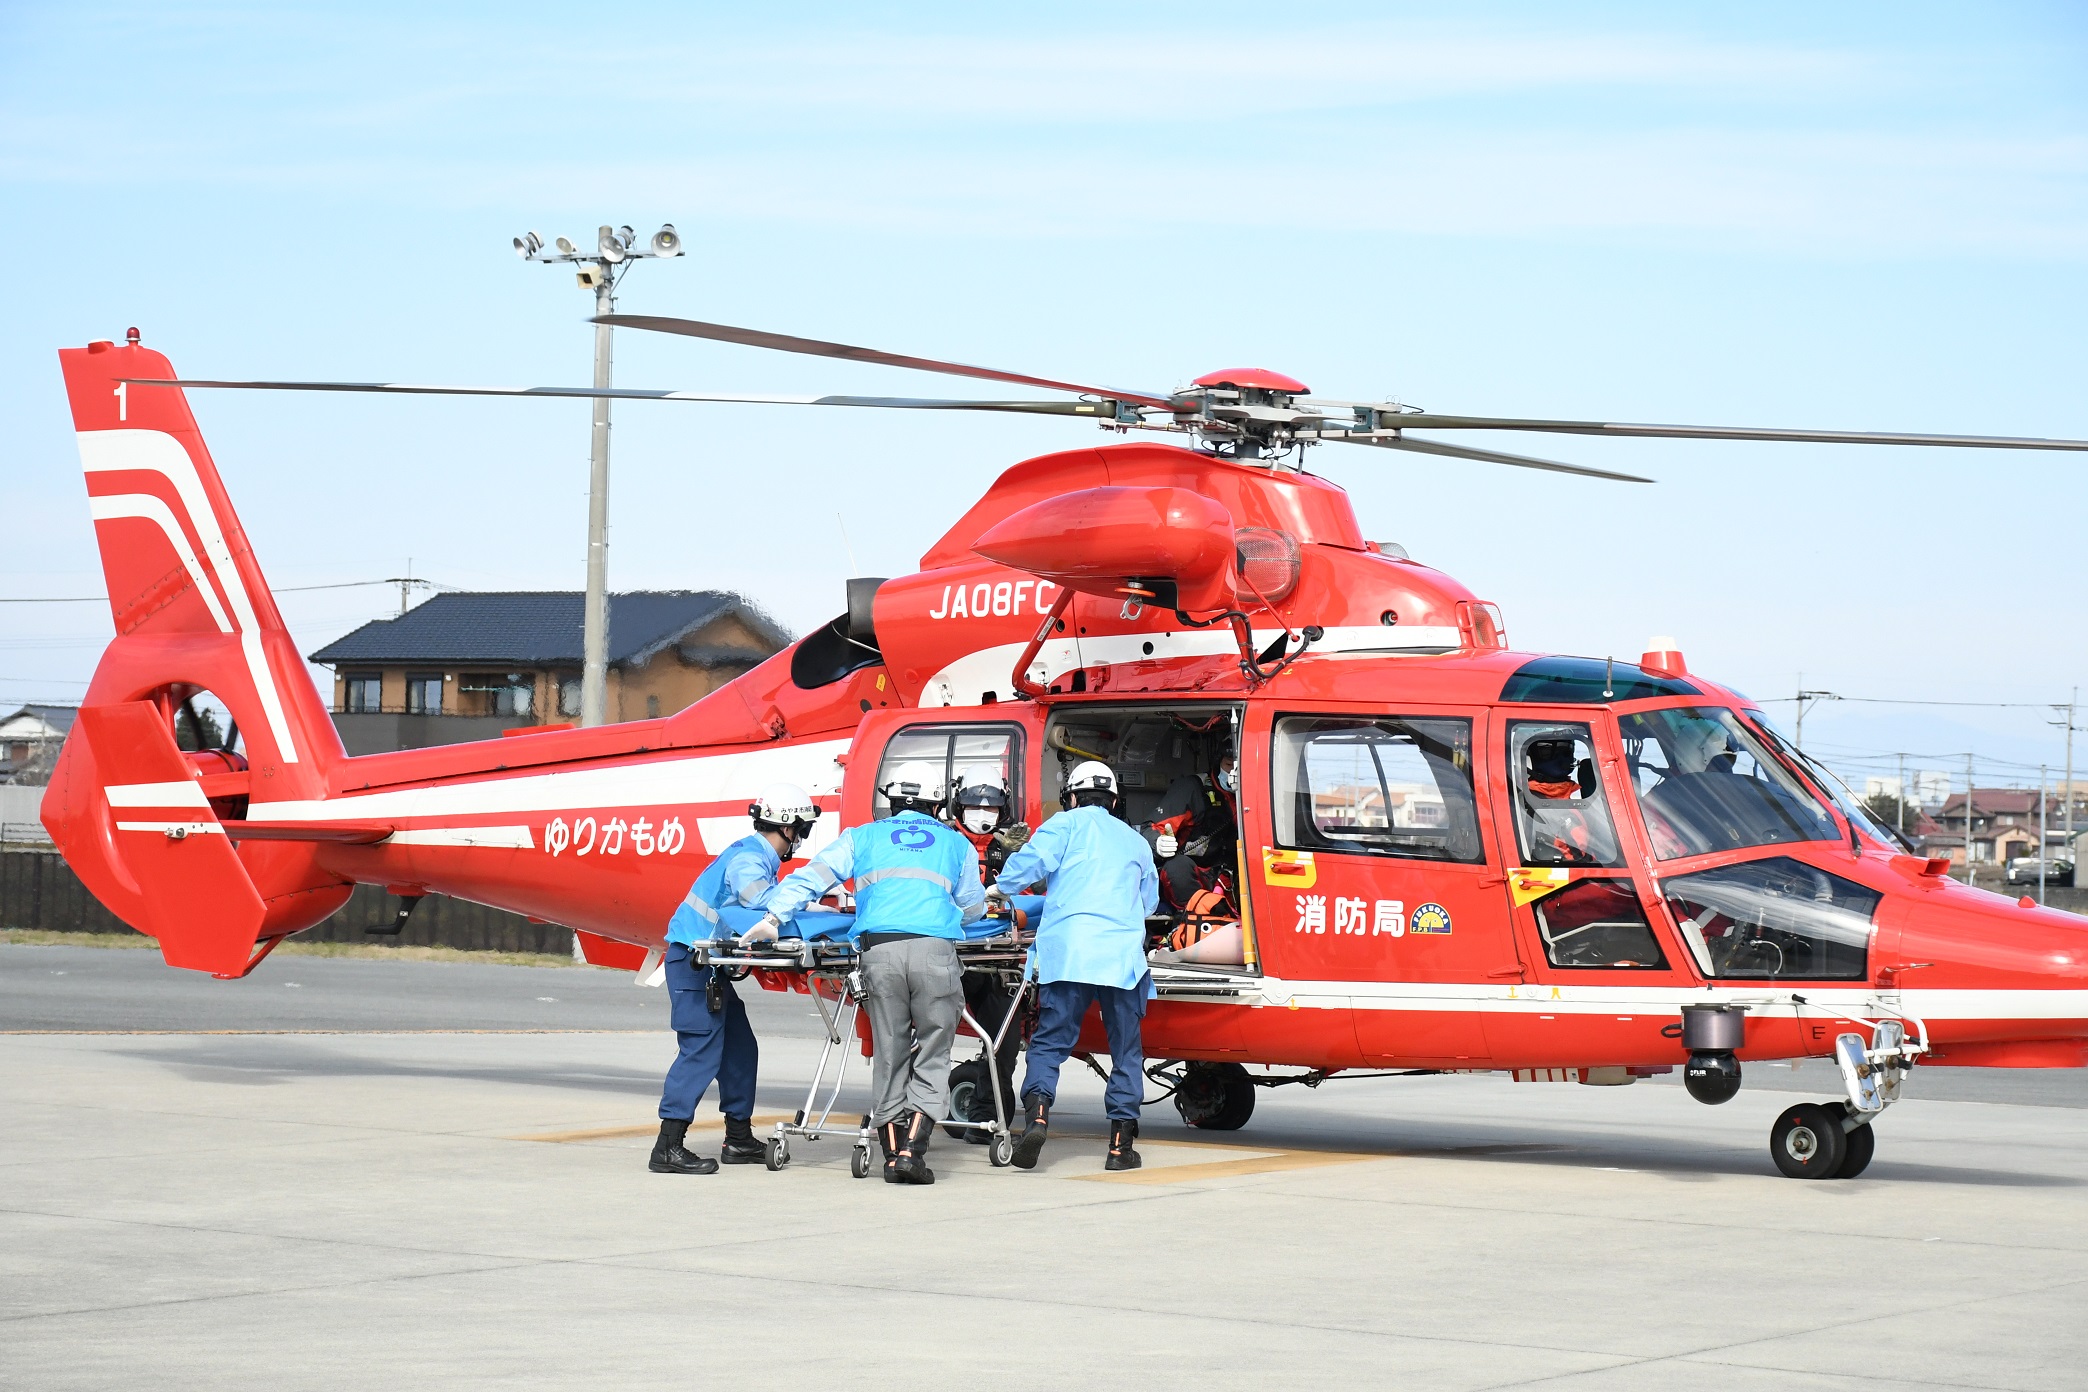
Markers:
point(906, 872)
point(703, 910)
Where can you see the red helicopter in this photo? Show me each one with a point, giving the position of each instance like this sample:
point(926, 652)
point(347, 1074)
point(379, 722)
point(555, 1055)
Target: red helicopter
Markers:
point(1431, 852)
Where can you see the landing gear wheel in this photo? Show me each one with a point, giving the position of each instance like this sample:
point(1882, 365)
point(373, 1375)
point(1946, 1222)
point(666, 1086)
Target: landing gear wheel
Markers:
point(859, 1162)
point(776, 1154)
point(1003, 1150)
point(1862, 1144)
point(1807, 1141)
point(1215, 1096)
point(966, 1080)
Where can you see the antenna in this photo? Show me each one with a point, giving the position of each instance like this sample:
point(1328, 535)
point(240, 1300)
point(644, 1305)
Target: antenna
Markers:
point(853, 568)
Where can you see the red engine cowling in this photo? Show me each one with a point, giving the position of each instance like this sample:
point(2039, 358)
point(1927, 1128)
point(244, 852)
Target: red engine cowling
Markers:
point(1166, 546)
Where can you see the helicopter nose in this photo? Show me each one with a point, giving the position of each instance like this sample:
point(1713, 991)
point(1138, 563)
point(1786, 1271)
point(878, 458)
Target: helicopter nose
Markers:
point(2002, 983)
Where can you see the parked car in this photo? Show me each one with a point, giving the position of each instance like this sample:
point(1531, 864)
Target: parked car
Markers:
point(2023, 871)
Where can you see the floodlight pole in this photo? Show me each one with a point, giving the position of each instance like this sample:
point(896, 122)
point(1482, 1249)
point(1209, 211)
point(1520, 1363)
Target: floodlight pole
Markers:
point(594, 644)
point(616, 249)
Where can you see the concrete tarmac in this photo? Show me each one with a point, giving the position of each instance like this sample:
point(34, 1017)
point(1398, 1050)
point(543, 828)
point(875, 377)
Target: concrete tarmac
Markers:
point(380, 1207)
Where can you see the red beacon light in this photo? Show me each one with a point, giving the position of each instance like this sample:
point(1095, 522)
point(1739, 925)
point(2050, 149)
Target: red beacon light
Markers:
point(130, 336)
point(1663, 656)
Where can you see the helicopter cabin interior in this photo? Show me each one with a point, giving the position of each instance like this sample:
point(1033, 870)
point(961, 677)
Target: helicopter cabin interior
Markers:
point(1167, 759)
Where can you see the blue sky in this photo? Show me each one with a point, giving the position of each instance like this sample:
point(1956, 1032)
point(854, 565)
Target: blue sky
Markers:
point(1866, 216)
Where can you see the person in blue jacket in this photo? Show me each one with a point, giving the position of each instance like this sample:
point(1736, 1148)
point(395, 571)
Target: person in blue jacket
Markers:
point(716, 1042)
point(1099, 886)
point(916, 886)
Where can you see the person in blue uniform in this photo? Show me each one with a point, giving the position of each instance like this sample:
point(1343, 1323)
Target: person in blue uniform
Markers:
point(1099, 886)
point(916, 886)
point(716, 1042)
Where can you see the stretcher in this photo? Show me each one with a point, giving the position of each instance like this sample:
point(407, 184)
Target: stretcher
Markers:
point(816, 951)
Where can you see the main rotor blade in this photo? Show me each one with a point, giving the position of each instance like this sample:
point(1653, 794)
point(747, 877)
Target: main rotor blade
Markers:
point(1104, 410)
point(1430, 421)
point(1520, 461)
point(785, 343)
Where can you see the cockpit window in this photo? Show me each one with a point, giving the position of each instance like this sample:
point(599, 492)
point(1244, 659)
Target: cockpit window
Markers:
point(1560, 815)
point(1588, 681)
point(1774, 920)
point(1707, 783)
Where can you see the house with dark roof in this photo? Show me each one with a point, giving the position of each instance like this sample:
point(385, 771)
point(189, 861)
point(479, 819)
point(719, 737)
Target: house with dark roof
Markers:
point(29, 741)
point(468, 665)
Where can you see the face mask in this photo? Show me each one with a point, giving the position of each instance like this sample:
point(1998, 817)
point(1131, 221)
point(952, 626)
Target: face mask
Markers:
point(980, 819)
point(1229, 779)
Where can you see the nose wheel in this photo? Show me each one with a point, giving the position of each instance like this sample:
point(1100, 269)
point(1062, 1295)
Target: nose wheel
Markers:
point(1813, 1140)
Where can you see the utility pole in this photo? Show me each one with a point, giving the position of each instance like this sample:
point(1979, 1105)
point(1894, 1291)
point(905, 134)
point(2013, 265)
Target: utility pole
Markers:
point(1968, 819)
point(2043, 802)
point(1900, 812)
point(1806, 698)
point(2069, 820)
point(616, 249)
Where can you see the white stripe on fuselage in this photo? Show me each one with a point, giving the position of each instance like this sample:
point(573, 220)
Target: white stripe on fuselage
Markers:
point(182, 792)
point(1822, 1003)
point(971, 676)
point(655, 783)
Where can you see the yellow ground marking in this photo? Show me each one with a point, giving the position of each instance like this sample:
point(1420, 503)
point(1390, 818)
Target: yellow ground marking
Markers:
point(618, 1133)
point(1269, 1163)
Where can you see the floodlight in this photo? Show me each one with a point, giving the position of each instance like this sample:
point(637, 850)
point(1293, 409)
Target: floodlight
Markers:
point(611, 249)
point(565, 246)
point(666, 241)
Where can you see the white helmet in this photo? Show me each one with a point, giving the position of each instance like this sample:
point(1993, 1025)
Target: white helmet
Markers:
point(914, 781)
point(784, 807)
point(1090, 776)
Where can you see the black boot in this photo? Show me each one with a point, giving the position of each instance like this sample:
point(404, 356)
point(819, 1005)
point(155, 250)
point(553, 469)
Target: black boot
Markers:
point(741, 1147)
point(888, 1140)
point(910, 1166)
point(1121, 1155)
point(668, 1156)
point(1031, 1143)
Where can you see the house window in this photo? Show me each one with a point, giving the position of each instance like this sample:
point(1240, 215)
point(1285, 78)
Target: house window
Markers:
point(569, 696)
point(362, 692)
point(652, 708)
point(495, 693)
point(423, 693)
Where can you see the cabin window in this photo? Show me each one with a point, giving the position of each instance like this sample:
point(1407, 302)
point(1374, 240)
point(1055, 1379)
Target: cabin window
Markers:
point(1389, 786)
point(362, 692)
point(954, 750)
point(1774, 920)
point(424, 693)
point(1706, 783)
point(1597, 923)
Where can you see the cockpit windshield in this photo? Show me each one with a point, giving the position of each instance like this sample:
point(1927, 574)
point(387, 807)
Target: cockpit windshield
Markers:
point(1707, 783)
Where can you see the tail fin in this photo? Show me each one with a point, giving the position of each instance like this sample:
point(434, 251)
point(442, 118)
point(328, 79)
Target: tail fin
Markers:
point(192, 613)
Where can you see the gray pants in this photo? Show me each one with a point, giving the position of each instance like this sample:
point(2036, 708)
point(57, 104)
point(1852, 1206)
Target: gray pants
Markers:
point(916, 991)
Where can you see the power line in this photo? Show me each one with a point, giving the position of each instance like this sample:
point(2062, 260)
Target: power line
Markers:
point(278, 589)
point(1809, 696)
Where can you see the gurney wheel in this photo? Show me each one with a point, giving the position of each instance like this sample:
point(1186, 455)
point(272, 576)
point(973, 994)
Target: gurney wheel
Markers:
point(1002, 1151)
point(859, 1162)
point(778, 1153)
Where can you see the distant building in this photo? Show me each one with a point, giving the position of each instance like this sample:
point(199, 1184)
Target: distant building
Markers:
point(29, 741)
point(465, 666)
point(2004, 825)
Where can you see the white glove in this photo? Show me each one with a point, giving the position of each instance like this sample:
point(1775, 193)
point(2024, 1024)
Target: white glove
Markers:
point(1165, 846)
point(996, 897)
point(765, 931)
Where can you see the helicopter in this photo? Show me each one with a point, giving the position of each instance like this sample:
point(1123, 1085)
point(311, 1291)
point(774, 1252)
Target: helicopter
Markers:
point(1434, 853)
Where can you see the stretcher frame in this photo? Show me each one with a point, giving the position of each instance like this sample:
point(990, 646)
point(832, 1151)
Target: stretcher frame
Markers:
point(826, 967)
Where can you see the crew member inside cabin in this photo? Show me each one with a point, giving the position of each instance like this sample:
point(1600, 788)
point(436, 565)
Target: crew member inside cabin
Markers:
point(1099, 886)
point(916, 886)
point(710, 1023)
point(986, 816)
point(1195, 837)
